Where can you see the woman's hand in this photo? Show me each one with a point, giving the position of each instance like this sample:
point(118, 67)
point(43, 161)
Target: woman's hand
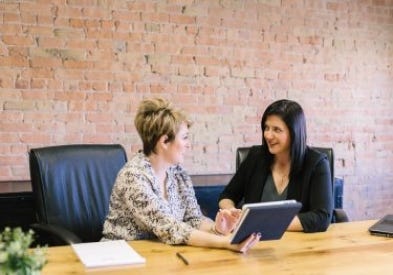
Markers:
point(226, 220)
point(248, 243)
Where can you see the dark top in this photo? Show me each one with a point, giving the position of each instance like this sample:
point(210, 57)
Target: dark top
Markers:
point(312, 187)
point(270, 192)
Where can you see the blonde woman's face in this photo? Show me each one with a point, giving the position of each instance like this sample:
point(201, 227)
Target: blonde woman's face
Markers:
point(178, 147)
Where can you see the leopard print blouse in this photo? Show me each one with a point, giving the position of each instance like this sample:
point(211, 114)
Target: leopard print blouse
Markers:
point(137, 211)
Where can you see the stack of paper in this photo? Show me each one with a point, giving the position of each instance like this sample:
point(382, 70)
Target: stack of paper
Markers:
point(109, 253)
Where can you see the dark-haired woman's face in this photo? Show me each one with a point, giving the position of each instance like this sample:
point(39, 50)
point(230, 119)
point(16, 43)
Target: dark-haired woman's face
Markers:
point(277, 136)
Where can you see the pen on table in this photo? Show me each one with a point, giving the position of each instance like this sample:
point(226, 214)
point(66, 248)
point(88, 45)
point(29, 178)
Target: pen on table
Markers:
point(181, 257)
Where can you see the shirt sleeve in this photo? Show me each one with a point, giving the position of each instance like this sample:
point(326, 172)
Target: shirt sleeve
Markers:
point(235, 189)
point(151, 212)
point(318, 217)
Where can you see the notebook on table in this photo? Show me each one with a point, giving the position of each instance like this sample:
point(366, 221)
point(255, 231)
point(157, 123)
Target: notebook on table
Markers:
point(271, 219)
point(384, 227)
point(107, 254)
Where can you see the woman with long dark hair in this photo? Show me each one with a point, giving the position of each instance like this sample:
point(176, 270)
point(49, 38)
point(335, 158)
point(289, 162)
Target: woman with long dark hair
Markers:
point(284, 168)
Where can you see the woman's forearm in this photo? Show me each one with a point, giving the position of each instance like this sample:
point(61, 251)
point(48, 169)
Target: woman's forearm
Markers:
point(206, 239)
point(206, 225)
point(295, 225)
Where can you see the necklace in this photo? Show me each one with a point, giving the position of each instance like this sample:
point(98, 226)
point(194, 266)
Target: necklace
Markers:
point(280, 178)
point(283, 177)
point(281, 183)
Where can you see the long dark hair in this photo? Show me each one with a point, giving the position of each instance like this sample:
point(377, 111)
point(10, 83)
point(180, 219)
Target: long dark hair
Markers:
point(293, 116)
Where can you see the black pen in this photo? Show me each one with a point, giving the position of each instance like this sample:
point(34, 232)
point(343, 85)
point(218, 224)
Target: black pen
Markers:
point(181, 257)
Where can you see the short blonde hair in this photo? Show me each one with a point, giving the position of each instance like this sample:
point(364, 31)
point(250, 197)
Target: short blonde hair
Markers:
point(157, 117)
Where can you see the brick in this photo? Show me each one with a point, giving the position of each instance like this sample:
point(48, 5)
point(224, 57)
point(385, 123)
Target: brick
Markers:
point(96, 12)
point(156, 17)
point(190, 70)
point(45, 19)
point(28, 18)
point(141, 6)
point(17, 40)
point(130, 15)
point(97, 139)
point(98, 34)
point(10, 28)
point(35, 138)
point(7, 79)
point(92, 24)
point(49, 42)
point(42, 62)
point(208, 60)
point(80, 44)
point(72, 64)
point(74, 54)
point(19, 105)
point(182, 19)
point(242, 72)
point(11, 17)
point(22, 84)
point(67, 33)
point(15, 127)
point(100, 96)
point(10, 6)
point(9, 138)
point(83, 3)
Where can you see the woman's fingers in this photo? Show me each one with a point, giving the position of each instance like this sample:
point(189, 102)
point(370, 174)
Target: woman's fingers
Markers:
point(236, 212)
point(250, 242)
point(226, 221)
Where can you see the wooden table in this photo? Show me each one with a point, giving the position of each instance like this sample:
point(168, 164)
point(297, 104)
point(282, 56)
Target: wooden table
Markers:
point(346, 248)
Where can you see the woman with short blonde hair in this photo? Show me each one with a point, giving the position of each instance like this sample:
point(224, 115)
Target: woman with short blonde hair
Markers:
point(153, 196)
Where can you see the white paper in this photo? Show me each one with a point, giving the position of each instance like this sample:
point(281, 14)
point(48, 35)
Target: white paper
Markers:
point(107, 253)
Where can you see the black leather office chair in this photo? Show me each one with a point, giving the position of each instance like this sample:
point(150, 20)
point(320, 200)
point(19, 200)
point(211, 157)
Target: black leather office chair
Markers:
point(339, 214)
point(72, 185)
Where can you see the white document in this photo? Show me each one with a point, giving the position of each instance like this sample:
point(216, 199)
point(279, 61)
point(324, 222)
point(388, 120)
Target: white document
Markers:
point(107, 253)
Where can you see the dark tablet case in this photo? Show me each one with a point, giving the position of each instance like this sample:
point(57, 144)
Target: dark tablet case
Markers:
point(271, 219)
point(384, 227)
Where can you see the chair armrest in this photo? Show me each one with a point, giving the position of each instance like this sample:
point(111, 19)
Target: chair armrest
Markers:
point(340, 215)
point(52, 235)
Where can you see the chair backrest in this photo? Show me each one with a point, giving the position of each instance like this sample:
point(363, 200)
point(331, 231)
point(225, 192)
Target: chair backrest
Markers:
point(72, 185)
point(207, 197)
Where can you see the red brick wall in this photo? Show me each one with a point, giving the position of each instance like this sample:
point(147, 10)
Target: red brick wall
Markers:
point(74, 71)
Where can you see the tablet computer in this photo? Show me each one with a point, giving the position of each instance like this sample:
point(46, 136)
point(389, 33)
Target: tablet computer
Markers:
point(271, 219)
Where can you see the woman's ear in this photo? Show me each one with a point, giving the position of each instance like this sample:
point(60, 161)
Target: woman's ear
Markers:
point(163, 141)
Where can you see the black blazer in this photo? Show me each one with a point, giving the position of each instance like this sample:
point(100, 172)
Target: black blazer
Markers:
point(312, 187)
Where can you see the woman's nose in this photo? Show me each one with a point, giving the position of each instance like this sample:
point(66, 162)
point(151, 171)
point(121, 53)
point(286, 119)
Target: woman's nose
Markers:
point(267, 134)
